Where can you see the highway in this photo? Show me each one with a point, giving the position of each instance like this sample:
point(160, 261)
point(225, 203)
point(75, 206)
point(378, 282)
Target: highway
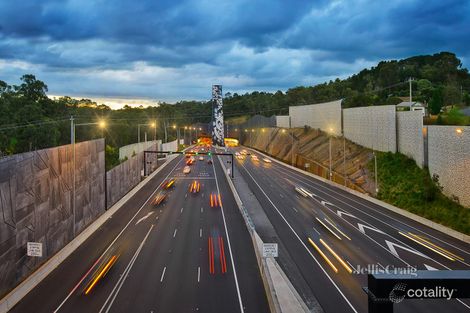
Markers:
point(191, 253)
point(334, 238)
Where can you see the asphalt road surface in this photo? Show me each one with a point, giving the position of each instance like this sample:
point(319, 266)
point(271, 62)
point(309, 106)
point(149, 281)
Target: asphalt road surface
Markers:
point(355, 235)
point(184, 255)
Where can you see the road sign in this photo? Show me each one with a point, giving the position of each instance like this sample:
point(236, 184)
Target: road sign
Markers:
point(307, 165)
point(34, 249)
point(270, 250)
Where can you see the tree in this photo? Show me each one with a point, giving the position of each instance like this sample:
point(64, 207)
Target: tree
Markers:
point(456, 117)
point(31, 88)
point(437, 101)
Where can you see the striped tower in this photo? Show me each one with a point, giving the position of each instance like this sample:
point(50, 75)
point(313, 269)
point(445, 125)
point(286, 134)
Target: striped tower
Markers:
point(217, 116)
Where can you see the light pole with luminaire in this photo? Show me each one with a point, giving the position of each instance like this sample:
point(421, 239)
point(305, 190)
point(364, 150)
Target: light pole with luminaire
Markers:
point(102, 125)
point(152, 125)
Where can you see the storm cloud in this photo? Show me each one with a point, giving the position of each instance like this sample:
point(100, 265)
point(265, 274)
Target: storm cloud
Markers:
point(173, 50)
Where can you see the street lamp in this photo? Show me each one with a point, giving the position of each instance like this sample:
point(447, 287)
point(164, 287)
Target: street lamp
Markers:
point(101, 124)
point(152, 125)
point(330, 133)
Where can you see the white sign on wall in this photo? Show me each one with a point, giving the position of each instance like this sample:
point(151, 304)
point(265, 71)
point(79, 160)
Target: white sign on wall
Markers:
point(34, 249)
point(270, 250)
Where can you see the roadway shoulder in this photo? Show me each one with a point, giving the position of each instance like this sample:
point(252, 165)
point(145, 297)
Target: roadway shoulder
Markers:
point(436, 226)
point(282, 296)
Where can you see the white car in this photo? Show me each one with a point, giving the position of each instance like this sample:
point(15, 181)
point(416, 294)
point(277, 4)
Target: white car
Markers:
point(267, 160)
point(186, 170)
point(201, 158)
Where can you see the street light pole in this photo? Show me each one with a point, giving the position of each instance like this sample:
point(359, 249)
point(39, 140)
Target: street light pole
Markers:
point(72, 141)
point(330, 173)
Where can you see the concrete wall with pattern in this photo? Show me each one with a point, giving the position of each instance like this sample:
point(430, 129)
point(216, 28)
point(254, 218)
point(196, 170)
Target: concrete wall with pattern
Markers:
point(410, 135)
point(282, 121)
point(449, 157)
point(372, 127)
point(36, 203)
point(324, 116)
point(130, 150)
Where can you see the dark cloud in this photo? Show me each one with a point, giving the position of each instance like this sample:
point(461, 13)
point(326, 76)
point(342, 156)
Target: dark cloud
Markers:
point(264, 44)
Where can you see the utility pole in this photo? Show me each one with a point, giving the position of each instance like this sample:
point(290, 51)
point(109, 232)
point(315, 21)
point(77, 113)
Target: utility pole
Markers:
point(72, 141)
point(410, 80)
point(166, 133)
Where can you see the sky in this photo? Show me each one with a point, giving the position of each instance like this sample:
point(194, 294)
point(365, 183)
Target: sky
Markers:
point(145, 51)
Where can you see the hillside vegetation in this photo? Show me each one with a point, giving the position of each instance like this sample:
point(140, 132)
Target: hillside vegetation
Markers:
point(30, 120)
point(405, 185)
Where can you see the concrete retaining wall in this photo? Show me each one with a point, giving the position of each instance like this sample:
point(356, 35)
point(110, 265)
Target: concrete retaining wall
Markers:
point(130, 150)
point(325, 116)
point(36, 203)
point(122, 178)
point(410, 135)
point(371, 127)
point(170, 146)
point(449, 157)
point(282, 121)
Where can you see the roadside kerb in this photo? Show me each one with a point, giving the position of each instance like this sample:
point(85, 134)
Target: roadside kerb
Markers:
point(281, 294)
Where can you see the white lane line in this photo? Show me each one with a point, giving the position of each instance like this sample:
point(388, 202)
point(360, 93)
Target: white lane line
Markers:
point(163, 274)
point(228, 241)
point(144, 218)
point(122, 231)
point(316, 231)
point(313, 183)
point(156, 217)
point(295, 210)
point(280, 195)
point(185, 196)
point(200, 232)
point(202, 210)
point(350, 265)
point(124, 275)
point(182, 210)
point(198, 274)
point(174, 234)
point(301, 242)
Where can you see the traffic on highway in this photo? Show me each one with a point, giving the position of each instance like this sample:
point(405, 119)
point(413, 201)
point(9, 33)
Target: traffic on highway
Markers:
point(178, 245)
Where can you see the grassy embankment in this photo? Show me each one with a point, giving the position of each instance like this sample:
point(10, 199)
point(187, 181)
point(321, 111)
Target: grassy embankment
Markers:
point(403, 184)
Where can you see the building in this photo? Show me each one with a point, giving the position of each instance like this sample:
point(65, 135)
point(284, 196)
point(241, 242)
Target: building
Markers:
point(411, 106)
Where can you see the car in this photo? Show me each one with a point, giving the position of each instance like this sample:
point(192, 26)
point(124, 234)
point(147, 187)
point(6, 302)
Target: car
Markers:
point(159, 198)
point(102, 266)
point(186, 170)
point(194, 187)
point(254, 158)
point(169, 183)
point(201, 158)
point(266, 160)
point(209, 161)
point(188, 155)
point(237, 153)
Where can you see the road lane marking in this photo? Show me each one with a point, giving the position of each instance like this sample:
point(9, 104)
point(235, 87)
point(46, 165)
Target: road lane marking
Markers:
point(112, 296)
point(302, 243)
point(295, 210)
point(314, 183)
point(156, 217)
point(182, 210)
point(198, 274)
point(316, 231)
point(174, 234)
point(144, 218)
point(228, 241)
point(163, 274)
point(125, 227)
point(200, 232)
point(202, 210)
